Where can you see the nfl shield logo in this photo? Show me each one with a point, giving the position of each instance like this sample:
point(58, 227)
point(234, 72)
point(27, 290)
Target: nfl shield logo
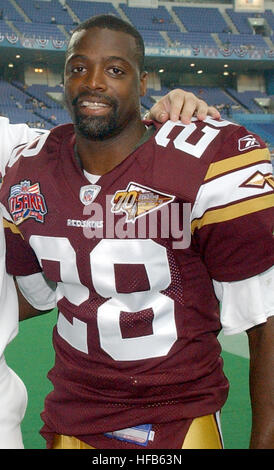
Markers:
point(89, 193)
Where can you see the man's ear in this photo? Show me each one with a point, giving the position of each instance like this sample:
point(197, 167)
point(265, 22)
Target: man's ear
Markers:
point(143, 83)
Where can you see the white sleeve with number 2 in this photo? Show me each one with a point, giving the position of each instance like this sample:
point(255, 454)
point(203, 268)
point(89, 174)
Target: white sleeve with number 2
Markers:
point(102, 260)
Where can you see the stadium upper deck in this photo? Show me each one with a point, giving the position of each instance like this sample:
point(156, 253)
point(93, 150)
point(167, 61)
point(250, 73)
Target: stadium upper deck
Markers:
point(214, 29)
point(168, 24)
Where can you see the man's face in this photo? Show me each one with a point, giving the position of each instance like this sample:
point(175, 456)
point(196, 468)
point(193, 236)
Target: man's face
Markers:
point(103, 83)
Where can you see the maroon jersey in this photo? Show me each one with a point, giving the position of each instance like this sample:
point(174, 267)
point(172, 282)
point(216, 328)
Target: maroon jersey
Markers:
point(133, 257)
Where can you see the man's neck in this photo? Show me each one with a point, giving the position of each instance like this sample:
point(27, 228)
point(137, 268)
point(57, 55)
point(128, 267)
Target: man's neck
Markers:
point(100, 157)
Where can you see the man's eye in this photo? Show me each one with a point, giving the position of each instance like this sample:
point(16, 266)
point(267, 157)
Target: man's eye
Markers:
point(115, 71)
point(78, 69)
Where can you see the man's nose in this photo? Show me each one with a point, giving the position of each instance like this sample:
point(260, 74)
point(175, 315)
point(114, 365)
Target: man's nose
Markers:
point(95, 79)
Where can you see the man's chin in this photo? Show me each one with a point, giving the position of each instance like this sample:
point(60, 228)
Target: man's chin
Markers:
point(97, 128)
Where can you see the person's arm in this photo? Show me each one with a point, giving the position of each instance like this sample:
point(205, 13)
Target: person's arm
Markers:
point(180, 105)
point(262, 384)
point(233, 229)
point(36, 295)
point(26, 310)
point(13, 135)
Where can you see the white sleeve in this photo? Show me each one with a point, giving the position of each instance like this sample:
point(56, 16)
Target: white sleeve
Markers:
point(12, 135)
point(245, 303)
point(38, 291)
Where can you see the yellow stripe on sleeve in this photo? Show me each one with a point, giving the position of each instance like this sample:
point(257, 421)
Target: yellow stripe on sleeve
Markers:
point(12, 227)
point(237, 162)
point(233, 211)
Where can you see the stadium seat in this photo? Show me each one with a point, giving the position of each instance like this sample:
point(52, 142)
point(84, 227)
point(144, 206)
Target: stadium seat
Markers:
point(197, 19)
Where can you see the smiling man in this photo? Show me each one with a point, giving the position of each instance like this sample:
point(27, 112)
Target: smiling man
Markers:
point(138, 362)
point(104, 104)
point(102, 92)
point(177, 104)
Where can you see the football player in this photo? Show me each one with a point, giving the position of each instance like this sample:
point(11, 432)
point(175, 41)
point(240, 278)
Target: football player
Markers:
point(143, 227)
point(13, 396)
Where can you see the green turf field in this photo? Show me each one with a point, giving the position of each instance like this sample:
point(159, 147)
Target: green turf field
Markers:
point(31, 356)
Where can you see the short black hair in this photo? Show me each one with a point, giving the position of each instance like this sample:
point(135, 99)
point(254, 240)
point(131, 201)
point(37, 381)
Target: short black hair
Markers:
point(116, 24)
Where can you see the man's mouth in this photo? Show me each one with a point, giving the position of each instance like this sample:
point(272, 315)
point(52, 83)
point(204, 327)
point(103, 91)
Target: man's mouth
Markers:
point(93, 104)
point(95, 115)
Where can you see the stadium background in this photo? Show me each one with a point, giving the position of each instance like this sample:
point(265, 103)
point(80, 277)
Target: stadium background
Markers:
point(223, 52)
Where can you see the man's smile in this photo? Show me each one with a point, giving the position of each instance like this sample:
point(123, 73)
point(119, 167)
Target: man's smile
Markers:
point(92, 105)
point(93, 108)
